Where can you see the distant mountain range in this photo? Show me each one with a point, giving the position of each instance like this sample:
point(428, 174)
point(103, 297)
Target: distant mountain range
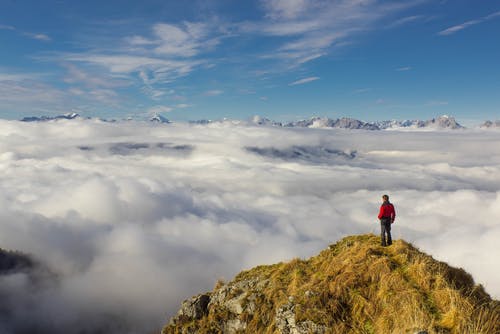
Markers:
point(491, 124)
point(441, 122)
point(50, 118)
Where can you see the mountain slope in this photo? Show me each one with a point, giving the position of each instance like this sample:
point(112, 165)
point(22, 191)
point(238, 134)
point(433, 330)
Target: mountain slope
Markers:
point(354, 286)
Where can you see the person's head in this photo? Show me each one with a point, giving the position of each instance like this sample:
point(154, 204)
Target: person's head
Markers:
point(385, 198)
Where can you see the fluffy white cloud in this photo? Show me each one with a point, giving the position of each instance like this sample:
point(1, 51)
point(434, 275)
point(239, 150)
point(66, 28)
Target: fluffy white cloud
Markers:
point(134, 217)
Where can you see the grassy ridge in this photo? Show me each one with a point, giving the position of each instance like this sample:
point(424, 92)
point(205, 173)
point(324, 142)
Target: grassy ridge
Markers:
point(354, 286)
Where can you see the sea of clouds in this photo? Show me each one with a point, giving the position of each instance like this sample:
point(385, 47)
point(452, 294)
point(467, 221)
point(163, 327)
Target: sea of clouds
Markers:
point(131, 218)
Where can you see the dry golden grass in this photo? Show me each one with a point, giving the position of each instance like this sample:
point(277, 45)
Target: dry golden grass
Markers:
point(357, 286)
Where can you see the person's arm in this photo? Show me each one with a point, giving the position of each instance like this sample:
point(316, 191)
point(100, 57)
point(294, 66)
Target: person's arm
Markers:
point(381, 212)
point(393, 218)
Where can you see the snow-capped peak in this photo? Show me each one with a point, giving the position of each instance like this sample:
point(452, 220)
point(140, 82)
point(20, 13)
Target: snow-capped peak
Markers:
point(159, 118)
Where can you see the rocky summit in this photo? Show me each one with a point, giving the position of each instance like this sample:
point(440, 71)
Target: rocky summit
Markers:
point(354, 286)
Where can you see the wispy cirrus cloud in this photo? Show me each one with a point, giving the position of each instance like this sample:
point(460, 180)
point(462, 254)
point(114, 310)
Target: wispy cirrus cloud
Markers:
point(436, 103)
point(7, 75)
point(150, 61)
point(467, 24)
point(153, 57)
point(40, 37)
point(128, 63)
point(22, 94)
point(303, 81)
point(6, 27)
point(213, 92)
point(78, 75)
point(362, 90)
point(28, 97)
point(310, 29)
point(405, 20)
point(286, 8)
point(37, 36)
point(409, 20)
point(33, 93)
point(404, 69)
point(184, 40)
point(160, 109)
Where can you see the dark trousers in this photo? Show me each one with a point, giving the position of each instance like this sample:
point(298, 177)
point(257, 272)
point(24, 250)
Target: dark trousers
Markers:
point(385, 229)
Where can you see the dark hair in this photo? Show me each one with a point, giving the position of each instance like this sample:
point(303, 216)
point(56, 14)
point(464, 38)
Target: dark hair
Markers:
point(385, 197)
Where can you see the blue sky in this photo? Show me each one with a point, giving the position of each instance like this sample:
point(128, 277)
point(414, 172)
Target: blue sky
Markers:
point(285, 60)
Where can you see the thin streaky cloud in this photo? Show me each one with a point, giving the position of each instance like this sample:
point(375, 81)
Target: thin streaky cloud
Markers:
point(362, 90)
point(77, 75)
point(213, 92)
point(459, 27)
point(289, 9)
point(160, 109)
point(493, 15)
point(149, 60)
point(6, 27)
point(314, 27)
point(413, 19)
point(406, 20)
point(8, 76)
point(123, 63)
point(436, 103)
point(40, 37)
point(404, 68)
point(303, 81)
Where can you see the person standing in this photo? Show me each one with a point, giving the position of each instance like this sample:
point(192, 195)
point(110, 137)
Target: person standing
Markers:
point(387, 215)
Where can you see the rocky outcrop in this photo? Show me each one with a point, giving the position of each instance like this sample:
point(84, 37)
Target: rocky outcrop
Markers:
point(231, 299)
point(445, 122)
point(14, 263)
point(195, 308)
point(286, 322)
point(235, 300)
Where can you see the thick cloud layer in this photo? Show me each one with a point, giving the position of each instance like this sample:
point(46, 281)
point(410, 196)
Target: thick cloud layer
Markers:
point(134, 217)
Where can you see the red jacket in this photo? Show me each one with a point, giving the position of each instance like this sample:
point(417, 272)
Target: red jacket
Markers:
point(387, 211)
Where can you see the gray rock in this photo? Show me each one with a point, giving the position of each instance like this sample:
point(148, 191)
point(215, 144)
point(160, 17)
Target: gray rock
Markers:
point(234, 326)
point(286, 323)
point(194, 308)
